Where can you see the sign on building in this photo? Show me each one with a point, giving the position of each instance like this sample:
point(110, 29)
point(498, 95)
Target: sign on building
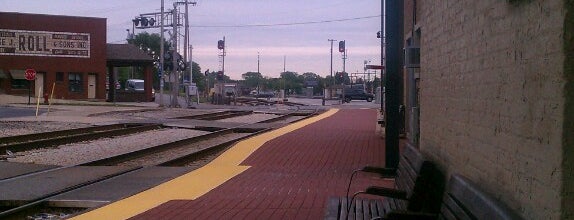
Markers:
point(44, 43)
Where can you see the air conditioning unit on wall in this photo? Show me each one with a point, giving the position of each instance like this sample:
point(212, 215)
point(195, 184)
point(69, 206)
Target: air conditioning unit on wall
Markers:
point(412, 57)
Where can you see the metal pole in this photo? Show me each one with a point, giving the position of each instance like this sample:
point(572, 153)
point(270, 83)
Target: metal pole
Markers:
point(223, 57)
point(175, 86)
point(161, 51)
point(393, 71)
point(383, 33)
point(331, 72)
point(186, 38)
point(344, 59)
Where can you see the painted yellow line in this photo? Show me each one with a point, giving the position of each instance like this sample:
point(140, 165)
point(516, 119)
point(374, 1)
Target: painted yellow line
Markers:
point(198, 182)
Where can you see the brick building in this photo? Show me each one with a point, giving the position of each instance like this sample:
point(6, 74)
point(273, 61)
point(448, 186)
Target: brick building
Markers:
point(496, 99)
point(68, 53)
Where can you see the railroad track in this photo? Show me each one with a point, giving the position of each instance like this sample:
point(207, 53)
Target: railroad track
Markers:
point(217, 115)
point(257, 102)
point(179, 153)
point(164, 154)
point(55, 138)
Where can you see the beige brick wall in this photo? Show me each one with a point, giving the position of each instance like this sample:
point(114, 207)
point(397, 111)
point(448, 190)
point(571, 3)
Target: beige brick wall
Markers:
point(492, 97)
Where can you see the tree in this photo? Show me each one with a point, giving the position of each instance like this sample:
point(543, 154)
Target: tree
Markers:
point(145, 40)
point(198, 76)
point(252, 79)
point(151, 44)
point(291, 82)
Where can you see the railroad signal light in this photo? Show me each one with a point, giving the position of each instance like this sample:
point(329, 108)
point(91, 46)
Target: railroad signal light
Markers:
point(136, 21)
point(181, 64)
point(144, 22)
point(220, 44)
point(220, 75)
point(342, 46)
point(167, 61)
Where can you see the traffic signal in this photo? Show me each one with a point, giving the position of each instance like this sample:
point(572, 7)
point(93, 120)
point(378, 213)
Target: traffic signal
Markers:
point(342, 46)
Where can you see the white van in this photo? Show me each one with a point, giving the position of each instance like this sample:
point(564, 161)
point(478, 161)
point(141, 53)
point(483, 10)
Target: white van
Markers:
point(135, 85)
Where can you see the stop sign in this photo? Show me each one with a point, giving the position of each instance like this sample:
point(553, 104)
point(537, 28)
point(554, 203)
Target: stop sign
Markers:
point(30, 74)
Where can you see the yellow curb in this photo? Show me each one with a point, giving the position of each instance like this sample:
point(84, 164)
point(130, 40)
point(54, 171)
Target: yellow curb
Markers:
point(194, 184)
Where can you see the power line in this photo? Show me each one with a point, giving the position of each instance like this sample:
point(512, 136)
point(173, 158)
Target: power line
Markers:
point(285, 24)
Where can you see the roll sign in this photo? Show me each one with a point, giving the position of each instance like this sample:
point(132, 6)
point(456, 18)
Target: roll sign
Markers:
point(44, 43)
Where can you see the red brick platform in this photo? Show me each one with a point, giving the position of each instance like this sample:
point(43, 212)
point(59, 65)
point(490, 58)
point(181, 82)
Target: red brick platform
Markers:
point(293, 175)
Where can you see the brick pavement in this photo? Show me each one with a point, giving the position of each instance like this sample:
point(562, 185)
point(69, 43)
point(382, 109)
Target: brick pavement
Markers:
point(292, 176)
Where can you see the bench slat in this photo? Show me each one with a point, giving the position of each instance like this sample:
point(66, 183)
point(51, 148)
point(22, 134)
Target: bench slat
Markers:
point(358, 207)
point(333, 207)
point(343, 206)
point(380, 208)
point(367, 209)
point(373, 203)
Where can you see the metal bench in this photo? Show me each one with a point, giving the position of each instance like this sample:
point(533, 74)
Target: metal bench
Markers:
point(417, 188)
point(463, 200)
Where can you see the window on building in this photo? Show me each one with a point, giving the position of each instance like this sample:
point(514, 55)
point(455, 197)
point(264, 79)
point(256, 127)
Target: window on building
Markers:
point(75, 82)
point(59, 77)
point(19, 84)
point(18, 79)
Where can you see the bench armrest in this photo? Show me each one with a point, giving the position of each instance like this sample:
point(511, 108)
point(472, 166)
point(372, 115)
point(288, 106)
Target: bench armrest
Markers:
point(386, 192)
point(384, 172)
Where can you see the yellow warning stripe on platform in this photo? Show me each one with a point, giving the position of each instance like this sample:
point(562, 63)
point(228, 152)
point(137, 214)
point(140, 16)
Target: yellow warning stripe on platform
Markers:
point(194, 184)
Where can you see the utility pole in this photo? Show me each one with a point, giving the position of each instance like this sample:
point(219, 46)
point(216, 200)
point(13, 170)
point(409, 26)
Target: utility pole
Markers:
point(186, 40)
point(186, 37)
point(161, 51)
point(283, 76)
point(344, 61)
point(332, 78)
point(223, 57)
point(175, 73)
point(258, 71)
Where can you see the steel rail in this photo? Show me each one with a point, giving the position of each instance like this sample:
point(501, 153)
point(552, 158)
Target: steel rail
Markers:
point(77, 137)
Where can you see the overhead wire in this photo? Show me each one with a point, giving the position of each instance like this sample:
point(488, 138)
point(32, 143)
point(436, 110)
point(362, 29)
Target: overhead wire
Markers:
point(285, 24)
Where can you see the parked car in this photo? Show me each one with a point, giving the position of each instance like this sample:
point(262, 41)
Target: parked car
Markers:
point(357, 94)
point(265, 94)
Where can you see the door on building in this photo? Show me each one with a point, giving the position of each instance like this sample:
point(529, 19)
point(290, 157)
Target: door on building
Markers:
point(91, 86)
point(39, 84)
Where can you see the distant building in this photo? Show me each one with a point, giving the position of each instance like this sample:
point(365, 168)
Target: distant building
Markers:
point(68, 54)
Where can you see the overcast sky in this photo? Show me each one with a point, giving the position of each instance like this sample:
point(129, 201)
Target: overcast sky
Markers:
point(305, 46)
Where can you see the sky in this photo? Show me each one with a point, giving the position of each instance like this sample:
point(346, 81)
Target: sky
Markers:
point(292, 35)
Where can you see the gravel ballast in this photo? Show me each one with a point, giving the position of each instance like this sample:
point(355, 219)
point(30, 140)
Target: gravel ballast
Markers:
point(83, 152)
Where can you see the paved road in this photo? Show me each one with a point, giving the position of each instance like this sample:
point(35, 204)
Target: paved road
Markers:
point(8, 112)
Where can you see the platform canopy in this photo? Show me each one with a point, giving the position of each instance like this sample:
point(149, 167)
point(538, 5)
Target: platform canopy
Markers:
point(126, 55)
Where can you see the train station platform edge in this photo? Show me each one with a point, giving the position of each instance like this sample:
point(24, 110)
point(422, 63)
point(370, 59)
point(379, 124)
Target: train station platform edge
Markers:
point(203, 180)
